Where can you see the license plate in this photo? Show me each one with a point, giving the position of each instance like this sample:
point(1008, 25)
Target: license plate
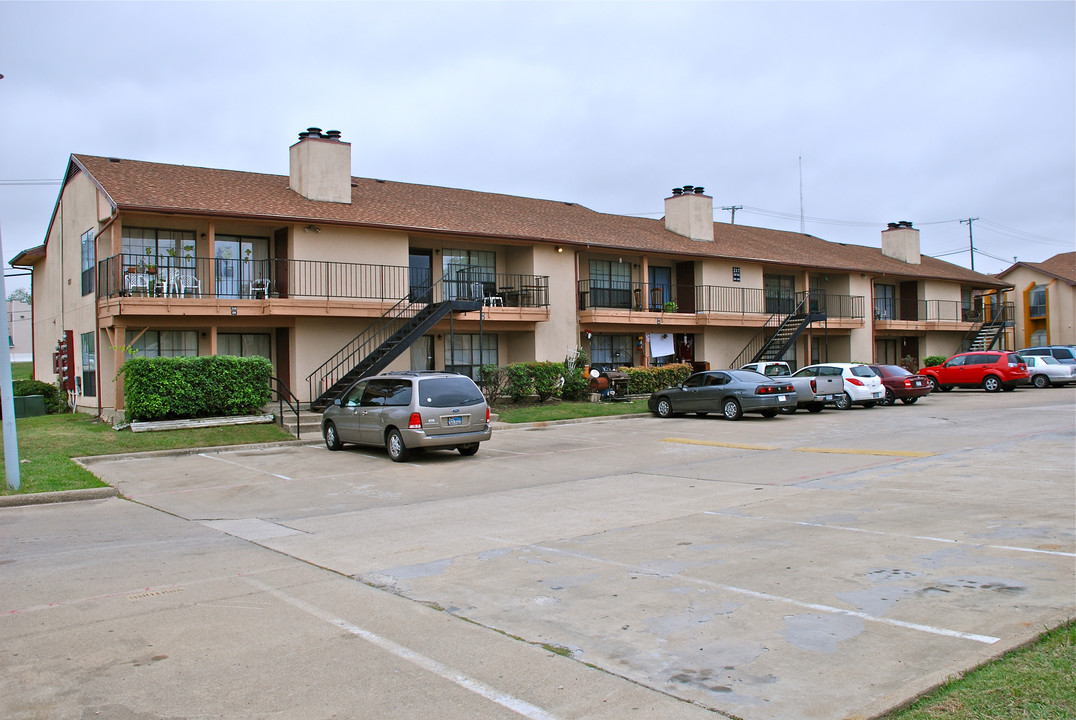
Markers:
point(878, 394)
point(827, 398)
point(457, 420)
point(782, 398)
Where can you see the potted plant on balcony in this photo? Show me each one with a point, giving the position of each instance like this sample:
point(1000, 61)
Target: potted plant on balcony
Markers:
point(150, 266)
point(670, 307)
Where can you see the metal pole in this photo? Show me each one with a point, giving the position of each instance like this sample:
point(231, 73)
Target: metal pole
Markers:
point(7, 403)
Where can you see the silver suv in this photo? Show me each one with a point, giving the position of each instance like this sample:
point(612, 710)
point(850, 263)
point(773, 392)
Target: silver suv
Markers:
point(407, 411)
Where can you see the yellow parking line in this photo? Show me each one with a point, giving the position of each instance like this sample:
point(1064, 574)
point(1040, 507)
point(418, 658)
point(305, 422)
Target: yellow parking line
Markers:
point(853, 451)
point(712, 443)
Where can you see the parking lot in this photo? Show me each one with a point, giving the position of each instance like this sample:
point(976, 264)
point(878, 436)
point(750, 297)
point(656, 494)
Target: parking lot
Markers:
point(808, 566)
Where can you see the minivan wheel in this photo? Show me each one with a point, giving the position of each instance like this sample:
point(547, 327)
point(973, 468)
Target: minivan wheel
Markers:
point(394, 444)
point(469, 449)
point(991, 383)
point(732, 410)
point(842, 401)
point(332, 440)
point(1040, 381)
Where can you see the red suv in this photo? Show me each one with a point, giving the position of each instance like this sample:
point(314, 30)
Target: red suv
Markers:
point(992, 370)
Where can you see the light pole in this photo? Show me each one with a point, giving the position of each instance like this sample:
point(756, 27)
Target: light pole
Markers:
point(7, 398)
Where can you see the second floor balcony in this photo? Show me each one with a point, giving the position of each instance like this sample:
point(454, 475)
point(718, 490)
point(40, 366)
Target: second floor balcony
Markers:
point(193, 279)
point(909, 313)
point(710, 303)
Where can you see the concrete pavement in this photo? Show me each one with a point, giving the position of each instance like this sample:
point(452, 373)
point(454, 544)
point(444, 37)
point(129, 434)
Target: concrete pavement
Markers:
point(822, 566)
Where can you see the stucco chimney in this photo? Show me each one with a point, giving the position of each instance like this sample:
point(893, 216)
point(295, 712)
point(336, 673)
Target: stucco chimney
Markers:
point(900, 241)
point(690, 213)
point(321, 166)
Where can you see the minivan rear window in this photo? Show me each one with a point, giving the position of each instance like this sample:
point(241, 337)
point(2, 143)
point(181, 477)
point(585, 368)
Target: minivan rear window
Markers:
point(448, 392)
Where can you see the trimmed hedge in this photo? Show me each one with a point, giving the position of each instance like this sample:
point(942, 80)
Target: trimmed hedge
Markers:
point(54, 399)
point(932, 360)
point(645, 380)
point(547, 380)
point(193, 387)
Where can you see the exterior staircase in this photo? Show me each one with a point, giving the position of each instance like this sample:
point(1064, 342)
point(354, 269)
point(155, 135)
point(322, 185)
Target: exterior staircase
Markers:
point(779, 334)
point(374, 349)
point(987, 335)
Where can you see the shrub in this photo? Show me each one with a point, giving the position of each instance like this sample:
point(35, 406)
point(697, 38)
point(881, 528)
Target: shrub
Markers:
point(54, 399)
point(932, 360)
point(493, 380)
point(645, 380)
point(548, 378)
point(520, 384)
point(190, 387)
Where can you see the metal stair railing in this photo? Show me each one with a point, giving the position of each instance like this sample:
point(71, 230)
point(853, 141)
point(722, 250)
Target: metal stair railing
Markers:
point(778, 332)
point(384, 336)
point(285, 397)
point(986, 335)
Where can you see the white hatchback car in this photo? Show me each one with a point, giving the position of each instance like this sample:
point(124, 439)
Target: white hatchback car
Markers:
point(1045, 370)
point(862, 386)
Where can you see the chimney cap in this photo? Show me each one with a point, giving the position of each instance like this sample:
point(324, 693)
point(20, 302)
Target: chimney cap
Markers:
point(332, 134)
point(312, 132)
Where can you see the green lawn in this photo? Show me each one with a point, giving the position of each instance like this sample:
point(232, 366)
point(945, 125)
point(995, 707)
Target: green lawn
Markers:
point(1037, 682)
point(557, 410)
point(47, 444)
point(22, 371)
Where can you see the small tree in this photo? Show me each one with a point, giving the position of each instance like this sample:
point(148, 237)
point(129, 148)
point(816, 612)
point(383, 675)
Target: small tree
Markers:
point(20, 295)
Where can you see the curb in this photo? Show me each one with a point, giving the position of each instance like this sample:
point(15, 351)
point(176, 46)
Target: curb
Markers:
point(60, 496)
point(497, 425)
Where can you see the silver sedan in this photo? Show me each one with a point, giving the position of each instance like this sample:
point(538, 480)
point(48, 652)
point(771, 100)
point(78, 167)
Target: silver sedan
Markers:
point(729, 392)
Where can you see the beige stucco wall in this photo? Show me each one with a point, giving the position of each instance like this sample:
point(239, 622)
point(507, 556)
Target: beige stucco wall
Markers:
point(1060, 305)
point(59, 304)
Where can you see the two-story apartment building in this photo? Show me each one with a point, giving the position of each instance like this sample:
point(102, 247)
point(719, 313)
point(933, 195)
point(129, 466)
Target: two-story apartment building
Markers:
point(161, 260)
point(1044, 297)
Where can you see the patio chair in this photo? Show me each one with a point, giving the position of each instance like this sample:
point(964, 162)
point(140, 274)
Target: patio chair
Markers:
point(136, 281)
point(259, 287)
point(189, 281)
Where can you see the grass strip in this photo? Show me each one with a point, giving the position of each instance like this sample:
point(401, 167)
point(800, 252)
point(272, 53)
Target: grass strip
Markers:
point(47, 444)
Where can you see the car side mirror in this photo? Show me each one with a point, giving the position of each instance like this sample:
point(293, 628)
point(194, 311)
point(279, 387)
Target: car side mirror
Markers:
point(338, 402)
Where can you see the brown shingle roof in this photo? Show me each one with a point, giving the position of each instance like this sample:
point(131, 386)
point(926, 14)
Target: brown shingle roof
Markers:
point(1062, 266)
point(146, 186)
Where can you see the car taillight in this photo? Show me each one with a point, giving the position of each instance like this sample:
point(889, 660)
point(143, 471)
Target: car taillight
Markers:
point(415, 423)
point(855, 381)
point(909, 383)
point(487, 415)
point(814, 385)
point(772, 389)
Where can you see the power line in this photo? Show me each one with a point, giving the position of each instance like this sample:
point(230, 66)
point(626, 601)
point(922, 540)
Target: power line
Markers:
point(733, 208)
point(32, 181)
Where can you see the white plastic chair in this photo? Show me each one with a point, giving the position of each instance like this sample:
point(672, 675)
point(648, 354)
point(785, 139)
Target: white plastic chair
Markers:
point(259, 286)
point(189, 281)
point(136, 281)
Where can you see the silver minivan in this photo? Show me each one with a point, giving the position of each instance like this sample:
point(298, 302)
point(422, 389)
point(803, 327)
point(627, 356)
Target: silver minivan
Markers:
point(409, 410)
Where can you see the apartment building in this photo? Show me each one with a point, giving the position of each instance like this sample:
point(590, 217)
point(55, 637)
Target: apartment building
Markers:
point(1044, 297)
point(315, 269)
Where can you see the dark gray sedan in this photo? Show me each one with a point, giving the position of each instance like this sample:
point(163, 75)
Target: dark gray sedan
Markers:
point(729, 392)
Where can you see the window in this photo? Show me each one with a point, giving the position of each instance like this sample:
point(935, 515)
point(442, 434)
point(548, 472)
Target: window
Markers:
point(780, 293)
point(89, 365)
point(468, 273)
point(465, 354)
point(240, 261)
point(151, 246)
point(87, 249)
point(244, 344)
point(164, 343)
point(1036, 302)
point(387, 392)
point(1039, 337)
point(610, 284)
point(608, 352)
point(884, 298)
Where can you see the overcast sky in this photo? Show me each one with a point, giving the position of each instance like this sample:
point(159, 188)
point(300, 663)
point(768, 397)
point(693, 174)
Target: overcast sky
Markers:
point(931, 112)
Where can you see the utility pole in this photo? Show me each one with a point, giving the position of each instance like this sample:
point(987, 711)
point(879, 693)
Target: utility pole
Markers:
point(971, 241)
point(7, 401)
point(733, 208)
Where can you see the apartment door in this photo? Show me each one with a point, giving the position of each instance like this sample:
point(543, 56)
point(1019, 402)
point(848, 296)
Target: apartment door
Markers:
point(909, 301)
point(685, 286)
point(660, 288)
point(420, 276)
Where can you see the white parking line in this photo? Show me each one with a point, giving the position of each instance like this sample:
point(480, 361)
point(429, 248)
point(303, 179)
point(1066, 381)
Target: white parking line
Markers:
point(516, 705)
point(987, 639)
point(245, 467)
point(889, 534)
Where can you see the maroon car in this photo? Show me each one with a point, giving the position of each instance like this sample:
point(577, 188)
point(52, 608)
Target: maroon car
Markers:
point(901, 384)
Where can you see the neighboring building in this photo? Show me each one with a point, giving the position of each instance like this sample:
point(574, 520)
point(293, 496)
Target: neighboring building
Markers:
point(175, 260)
point(1044, 297)
point(20, 325)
